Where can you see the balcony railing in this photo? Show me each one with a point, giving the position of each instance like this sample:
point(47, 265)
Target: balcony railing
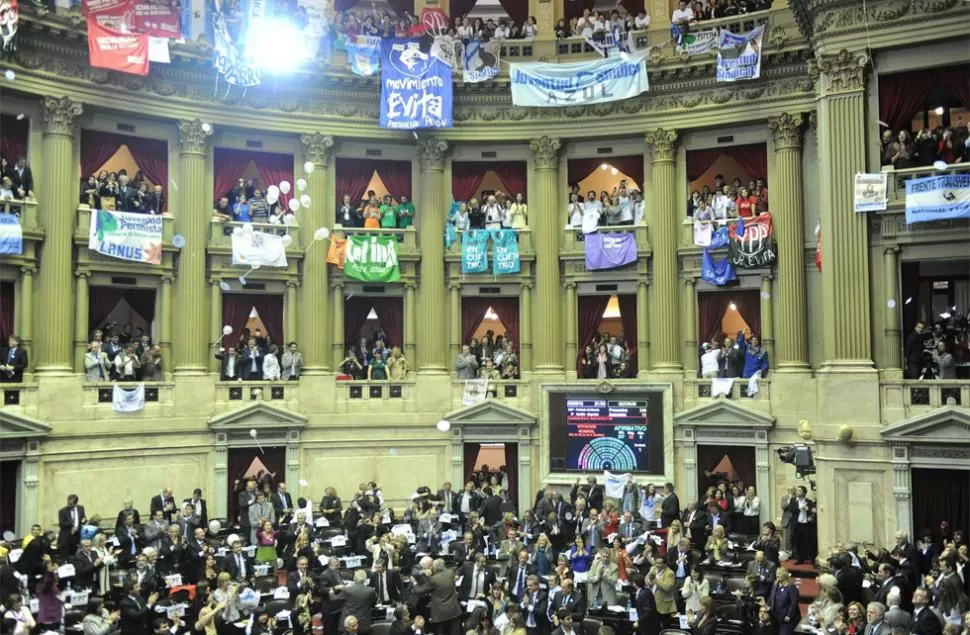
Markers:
point(916, 396)
point(21, 398)
point(514, 392)
point(896, 179)
point(687, 229)
point(525, 242)
point(235, 393)
point(220, 232)
point(575, 241)
point(696, 389)
point(362, 396)
point(83, 227)
point(98, 398)
point(26, 209)
point(407, 238)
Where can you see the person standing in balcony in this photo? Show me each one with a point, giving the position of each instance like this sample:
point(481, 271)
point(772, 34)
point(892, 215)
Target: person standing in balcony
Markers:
point(913, 351)
point(372, 213)
point(292, 362)
point(240, 210)
point(13, 361)
point(493, 213)
point(405, 213)
point(467, 364)
point(755, 357)
point(902, 151)
point(388, 213)
point(944, 361)
point(348, 215)
point(252, 361)
point(518, 212)
point(258, 208)
point(397, 365)
point(271, 364)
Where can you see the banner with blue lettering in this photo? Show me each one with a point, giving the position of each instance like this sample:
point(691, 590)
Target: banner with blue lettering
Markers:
point(578, 83)
point(739, 55)
point(480, 60)
point(505, 252)
point(416, 88)
point(364, 52)
point(717, 273)
point(937, 198)
point(125, 235)
point(474, 251)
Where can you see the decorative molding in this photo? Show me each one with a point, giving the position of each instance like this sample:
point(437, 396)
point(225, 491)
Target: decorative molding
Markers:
point(817, 17)
point(786, 130)
point(431, 153)
point(844, 72)
point(545, 152)
point(59, 114)
point(663, 145)
point(318, 148)
point(193, 136)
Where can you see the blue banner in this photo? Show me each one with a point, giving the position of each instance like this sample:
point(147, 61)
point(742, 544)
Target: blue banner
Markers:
point(739, 56)
point(937, 198)
point(720, 238)
point(474, 251)
point(416, 88)
point(364, 53)
point(717, 273)
point(11, 236)
point(505, 252)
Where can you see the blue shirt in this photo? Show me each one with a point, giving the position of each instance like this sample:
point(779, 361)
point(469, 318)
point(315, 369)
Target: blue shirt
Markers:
point(754, 360)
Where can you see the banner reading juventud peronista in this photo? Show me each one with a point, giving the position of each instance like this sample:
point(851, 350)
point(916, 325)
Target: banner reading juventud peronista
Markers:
point(541, 84)
point(135, 237)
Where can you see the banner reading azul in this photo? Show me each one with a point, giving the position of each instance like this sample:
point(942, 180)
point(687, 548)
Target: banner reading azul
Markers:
point(739, 56)
point(505, 252)
point(135, 237)
point(937, 198)
point(125, 52)
point(474, 251)
point(542, 84)
point(607, 251)
point(372, 258)
point(416, 88)
point(752, 243)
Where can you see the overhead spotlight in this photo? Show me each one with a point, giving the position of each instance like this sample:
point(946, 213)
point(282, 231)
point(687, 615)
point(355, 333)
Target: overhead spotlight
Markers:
point(614, 171)
point(287, 51)
point(604, 166)
point(733, 306)
point(938, 110)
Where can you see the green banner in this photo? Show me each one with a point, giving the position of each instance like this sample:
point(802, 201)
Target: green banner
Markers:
point(372, 258)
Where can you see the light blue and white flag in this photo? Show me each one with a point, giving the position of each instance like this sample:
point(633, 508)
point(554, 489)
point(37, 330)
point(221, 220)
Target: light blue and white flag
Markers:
point(364, 53)
point(258, 249)
point(474, 251)
point(578, 83)
point(937, 198)
point(739, 56)
point(128, 400)
point(480, 60)
point(505, 252)
point(11, 235)
point(613, 484)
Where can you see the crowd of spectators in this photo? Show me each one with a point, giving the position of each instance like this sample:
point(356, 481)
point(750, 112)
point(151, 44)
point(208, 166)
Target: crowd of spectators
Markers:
point(372, 212)
point(607, 356)
point(246, 203)
point(16, 184)
point(901, 150)
point(734, 358)
point(622, 206)
point(492, 357)
point(494, 211)
point(115, 191)
point(122, 353)
point(696, 11)
point(256, 358)
point(936, 353)
point(374, 360)
point(722, 201)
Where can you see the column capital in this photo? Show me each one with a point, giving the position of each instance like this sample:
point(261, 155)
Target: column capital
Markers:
point(767, 277)
point(526, 286)
point(82, 274)
point(411, 285)
point(786, 130)
point(663, 144)
point(569, 284)
point(214, 282)
point(690, 282)
point(842, 72)
point(167, 279)
point(431, 153)
point(545, 151)
point(292, 284)
point(194, 136)
point(28, 271)
point(318, 148)
point(339, 284)
point(891, 249)
point(59, 114)
point(643, 283)
point(454, 286)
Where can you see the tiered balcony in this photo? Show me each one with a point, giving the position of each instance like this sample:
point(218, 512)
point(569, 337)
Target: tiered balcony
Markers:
point(905, 398)
point(360, 396)
point(515, 393)
point(98, 400)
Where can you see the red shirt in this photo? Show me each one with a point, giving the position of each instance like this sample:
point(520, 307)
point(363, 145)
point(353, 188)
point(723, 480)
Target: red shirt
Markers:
point(746, 206)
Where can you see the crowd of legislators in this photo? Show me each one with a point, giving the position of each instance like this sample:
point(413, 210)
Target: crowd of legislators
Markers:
point(374, 360)
point(492, 357)
point(722, 201)
point(394, 211)
point(256, 358)
point(904, 149)
point(122, 353)
point(246, 203)
point(607, 356)
point(16, 183)
point(623, 205)
point(496, 210)
point(536, 569)
point(937, 352)
point(734, 358)
point(117, 192)
point(696, 11)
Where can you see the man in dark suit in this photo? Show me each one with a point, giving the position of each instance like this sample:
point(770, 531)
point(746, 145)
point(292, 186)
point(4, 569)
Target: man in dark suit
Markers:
point(13, 361)
point(230, 361)
point(299, 581)
point(670, 507)
point(534, 608)
point(568, 599)
point(886, 579)
point(648, 620)
point(716, 517)
point(468, 500)
point(681, 561)
point(329, 585)
point(592, 492)
point(70, 519)
point(476, 579)
point(187, 521)
point(252, 361)
point(165, 503)
point(518, 575)
point(282, 502)
point(135, 611)
point(448, 498)
point(129, 508)
point(86, 564)
point(491, 507)
point(196, 551)
point(849, 578)
point(236, 564)
point(436, 582)
point(129, 541)
point(429, 533)
point(23, 179)
point(155, 201)
point(386, 583)
point(359, 600)
point(925, 621)
point(630, 528)
point(464, 551)
point(765, 571)
point(200, 508)
point(126, 194)
point(694, 522)
point(244, 500)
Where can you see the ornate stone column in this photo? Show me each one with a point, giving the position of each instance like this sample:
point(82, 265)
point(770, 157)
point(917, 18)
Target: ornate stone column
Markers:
point(192, 221)
point(215, 326)
point(572, 327)
point(547, 225)
point(80, 318)
point(643, 328)
point(432, 345)
point(689, 326)
point(454, 323)
point(893, 335)
point(664, 222)
point(26, 300)
point(767, 317)
point(292, 311)
point(410, 320)
point(165, 325)
point(338, 325)
point(788, 212)
point(525, 327)
point(314, 340)
point(57, 214)
point(840, 80)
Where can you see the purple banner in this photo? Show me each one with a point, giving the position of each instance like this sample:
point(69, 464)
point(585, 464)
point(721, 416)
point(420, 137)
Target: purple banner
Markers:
point(607, 251)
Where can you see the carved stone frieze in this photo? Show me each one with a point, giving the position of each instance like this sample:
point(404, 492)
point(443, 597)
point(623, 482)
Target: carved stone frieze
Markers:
point(431, 153)
point(545, 151)
point(193, 136)
point(787, 131)
point(818, 17)
point(318, 148)
point(59, 114)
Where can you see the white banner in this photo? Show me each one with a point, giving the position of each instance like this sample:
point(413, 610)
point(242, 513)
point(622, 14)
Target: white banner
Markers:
point(870, 192)
point(258, 248)
point(480, 60)
point(699, 43)
point(613, 484)
point(739, 56)
point(476, 390)
point(132, 400)
point(598, 81)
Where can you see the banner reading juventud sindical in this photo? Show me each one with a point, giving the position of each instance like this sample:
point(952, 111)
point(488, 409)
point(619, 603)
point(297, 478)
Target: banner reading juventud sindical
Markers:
point(135, 237)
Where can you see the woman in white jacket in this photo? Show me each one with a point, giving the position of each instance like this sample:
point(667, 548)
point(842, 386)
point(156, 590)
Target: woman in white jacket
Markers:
point(271, 364)
point(695, 588)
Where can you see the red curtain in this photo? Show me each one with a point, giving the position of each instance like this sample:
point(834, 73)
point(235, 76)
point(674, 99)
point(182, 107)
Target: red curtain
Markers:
point(355, 314)
point(579, 169)
point(575, 9)
point(473, 310)
point(589, 315)
point(902, 95)
point(699, 161)
point(13, 141)
point(748, 304)
point(236, 308)
point(517, 10)
point(633, 7)
point(958, 81)
point(507, 310)
point(471, 450)
point(753, 159)
point(512, 471)
point(513, 175)
point(710, 312)
point(390, 314)
point(466, 178)
point(352, 177)
point(143, 302)
point(7, 304)
point(229, 165)
point(101, 301)
point(396, 176)
point(269, 306)
point(940, 494)
point(275, 168)
point(709, 456)
point(151, 156)
point(459, 8)
point(402, 8)
point(628, 316)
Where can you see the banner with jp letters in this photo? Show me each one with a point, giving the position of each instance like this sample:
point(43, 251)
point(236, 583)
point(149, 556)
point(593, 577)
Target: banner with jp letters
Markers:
point(579, 83)
point(416, 88)
point(739, 55)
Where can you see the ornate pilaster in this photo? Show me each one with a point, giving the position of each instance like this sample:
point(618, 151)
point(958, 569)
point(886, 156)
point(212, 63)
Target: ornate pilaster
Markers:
point(787, 209)
point(81, 333)
point(410, 319)
point(217, 340)
point(643, 328)
point(165, 323)
point(315, 299)
point(893, 336)
point(840, 81)
point(572, 328)
point(664, 225)
point(57, 214)
point(689, 326)
point(432, 305)
point(292, 311)
point(525, 327)
point(454, 322)
point(26, 301)
point(192, 222)
point(338, 325)
point(767, 316)
point(547, 229)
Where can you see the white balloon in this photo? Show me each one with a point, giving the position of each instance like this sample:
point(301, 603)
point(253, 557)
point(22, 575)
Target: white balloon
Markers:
point(247, 228)
point(232, 539)
point(304, 482)
point(252, 432)
point(237, 231)
point(285, 187)
point(215, 526)
point(321, 234)
point(300, 185)
point(309, 167)
point(256, 266)
point(287, 240)
point(940, 165)
point(294, 204)
point(227, 330)
point(444, 425)
point(305, 200)
point(289, 220)
point(272, 190)
point(272, 197)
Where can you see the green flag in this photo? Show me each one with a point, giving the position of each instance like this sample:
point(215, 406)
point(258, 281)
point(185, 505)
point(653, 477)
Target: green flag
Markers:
point(372, 258)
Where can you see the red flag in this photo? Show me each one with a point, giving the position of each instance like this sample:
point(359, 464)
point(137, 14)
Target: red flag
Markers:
point(113, 7)
point(157, 19)
point(434, 20)
point(818, 244)
point(9, 19)
point(125, 52)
